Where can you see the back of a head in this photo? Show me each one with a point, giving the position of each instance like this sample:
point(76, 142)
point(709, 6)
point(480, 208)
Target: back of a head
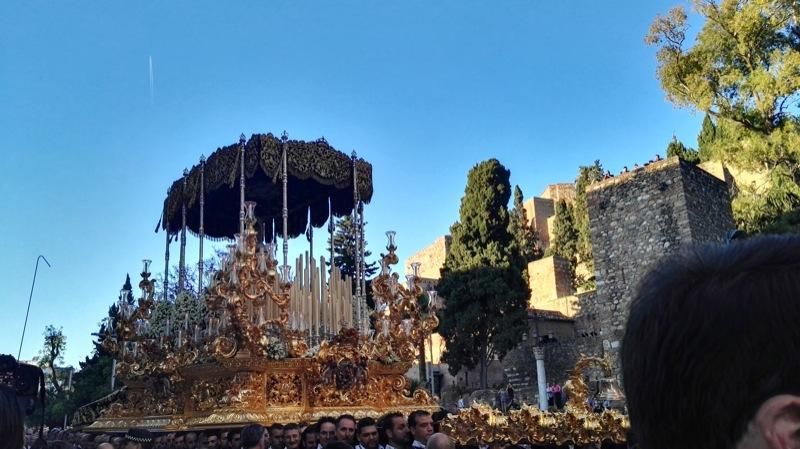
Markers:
point(251, 436)
point(712, 333)
point(12, 420)
point(440, 441)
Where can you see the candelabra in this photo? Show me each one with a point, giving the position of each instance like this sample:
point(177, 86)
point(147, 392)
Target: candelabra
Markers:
point(401, 321)
point(250, 293)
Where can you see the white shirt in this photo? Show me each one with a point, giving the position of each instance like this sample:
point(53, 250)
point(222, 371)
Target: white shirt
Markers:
point(418, 445)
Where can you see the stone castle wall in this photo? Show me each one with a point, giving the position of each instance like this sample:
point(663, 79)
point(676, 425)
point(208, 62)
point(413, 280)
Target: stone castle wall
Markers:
point(548, 279)
point(636, 219)
point(431, 258)
point(557, 192)
point(538, 210)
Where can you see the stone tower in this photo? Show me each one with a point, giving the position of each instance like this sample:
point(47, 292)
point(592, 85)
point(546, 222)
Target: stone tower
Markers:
point(639, 217)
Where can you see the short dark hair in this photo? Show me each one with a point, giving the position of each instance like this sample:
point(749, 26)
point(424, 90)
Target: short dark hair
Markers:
point(233, 432)
point(343, 417)
point(291, 426)
point(326, 419)
point(252, 435)
point(365, 422)
point(712, 333)
point(385, 422)
point(412, 418)
point(275, 426)
point(308, 431)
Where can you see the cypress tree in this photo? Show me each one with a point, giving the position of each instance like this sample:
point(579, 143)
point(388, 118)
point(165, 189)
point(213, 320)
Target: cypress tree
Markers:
point(482, 279)
point(525, 236)
point(565, 236)
point(677, 148)
point(586, 176)
point(706, 138)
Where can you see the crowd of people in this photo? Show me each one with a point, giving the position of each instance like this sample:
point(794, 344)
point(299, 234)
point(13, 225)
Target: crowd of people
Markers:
point(418, 430)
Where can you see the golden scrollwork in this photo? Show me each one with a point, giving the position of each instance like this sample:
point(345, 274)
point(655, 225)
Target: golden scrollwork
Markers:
point(284, 389)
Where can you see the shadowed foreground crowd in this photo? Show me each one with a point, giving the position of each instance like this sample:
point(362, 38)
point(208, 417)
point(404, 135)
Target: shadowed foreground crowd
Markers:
point(392, 431)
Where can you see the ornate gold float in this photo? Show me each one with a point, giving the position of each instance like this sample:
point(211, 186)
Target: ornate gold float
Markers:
point(262, 345)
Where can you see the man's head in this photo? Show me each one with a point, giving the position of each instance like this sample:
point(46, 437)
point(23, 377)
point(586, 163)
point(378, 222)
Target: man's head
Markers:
point(253, 437)
point(212, 440)
point(327, 430)
point(420, 423)
point(223, 440)
point(345, 428)
point(138, 439)
point(190, 439)
point(234, 440)
point(711, 352)
point(395, 429)
point(179, 441)
point(440, 441)
point(291, 435)
point(276, 436)
point(308, 439)
point(367, 433)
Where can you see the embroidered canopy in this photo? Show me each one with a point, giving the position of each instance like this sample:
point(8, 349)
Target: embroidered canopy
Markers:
point(317, 172)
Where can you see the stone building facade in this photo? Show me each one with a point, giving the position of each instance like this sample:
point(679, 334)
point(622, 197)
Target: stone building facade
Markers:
point(638, 218)
point(431, 258)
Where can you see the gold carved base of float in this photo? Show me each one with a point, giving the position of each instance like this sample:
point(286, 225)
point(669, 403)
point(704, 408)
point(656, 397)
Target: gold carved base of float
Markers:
point(243, 391)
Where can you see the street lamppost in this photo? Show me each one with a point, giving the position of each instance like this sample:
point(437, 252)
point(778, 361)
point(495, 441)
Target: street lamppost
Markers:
point(29, 301)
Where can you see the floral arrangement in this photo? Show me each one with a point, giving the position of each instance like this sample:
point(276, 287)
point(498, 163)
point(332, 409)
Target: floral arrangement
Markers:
point(274, 344)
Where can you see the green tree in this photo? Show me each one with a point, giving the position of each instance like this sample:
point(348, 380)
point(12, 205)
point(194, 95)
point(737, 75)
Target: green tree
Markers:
point(482, 278)
point(345, 240)
point(706, 138)
point(742, 69)
point(564, 243)
point(586, 176)
point(677, 148)
point(525, 236)
point(51, 354)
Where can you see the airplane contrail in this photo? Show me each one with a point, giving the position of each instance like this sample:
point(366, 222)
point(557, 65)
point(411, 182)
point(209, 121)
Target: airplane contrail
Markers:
point(151, 79)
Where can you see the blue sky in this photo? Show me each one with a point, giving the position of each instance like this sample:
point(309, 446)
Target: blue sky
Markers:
point(423, 90)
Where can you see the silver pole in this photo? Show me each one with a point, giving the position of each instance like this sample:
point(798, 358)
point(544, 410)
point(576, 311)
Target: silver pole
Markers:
point(182, 262)
point(241, 186)
point(331, 228)
point(285, 139)
point(356, 259)
point(202, 227)
point(30, 296)
point(113, 373)
point(166, 257)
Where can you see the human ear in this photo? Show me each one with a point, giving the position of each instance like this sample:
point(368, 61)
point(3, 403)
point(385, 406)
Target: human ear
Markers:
point(778, 421)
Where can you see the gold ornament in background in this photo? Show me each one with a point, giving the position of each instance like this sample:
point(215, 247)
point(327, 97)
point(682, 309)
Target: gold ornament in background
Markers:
point(578, 424)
